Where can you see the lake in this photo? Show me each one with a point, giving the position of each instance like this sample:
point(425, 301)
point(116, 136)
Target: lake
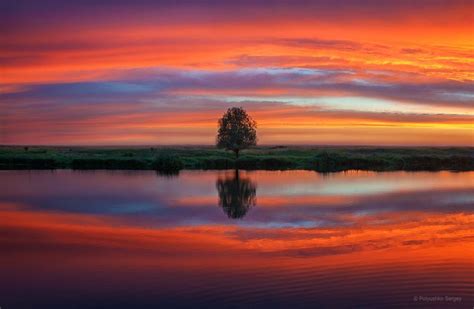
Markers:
point(213, 239)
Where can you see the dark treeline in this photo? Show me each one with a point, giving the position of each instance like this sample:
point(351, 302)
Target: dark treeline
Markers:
point(323, 159)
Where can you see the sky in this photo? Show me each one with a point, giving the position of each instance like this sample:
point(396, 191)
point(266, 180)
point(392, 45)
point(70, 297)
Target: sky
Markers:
point(309, 72)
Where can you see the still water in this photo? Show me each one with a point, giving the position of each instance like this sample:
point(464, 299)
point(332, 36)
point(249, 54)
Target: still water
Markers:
point(203, 239)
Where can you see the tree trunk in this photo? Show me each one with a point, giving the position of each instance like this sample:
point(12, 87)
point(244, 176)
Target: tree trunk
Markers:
point(236, 153)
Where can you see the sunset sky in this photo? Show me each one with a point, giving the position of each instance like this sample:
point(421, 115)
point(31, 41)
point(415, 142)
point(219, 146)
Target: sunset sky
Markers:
point(309, 72)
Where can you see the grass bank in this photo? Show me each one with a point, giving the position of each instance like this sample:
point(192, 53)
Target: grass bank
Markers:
point(323, 159)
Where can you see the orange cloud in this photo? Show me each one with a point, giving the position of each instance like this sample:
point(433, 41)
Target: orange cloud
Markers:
point(417, 54)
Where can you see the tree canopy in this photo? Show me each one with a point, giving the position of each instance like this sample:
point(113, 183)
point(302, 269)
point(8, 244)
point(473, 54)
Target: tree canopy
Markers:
point(237, 130)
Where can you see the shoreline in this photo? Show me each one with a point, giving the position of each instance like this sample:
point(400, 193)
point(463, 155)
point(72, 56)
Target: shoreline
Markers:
point(173, 159)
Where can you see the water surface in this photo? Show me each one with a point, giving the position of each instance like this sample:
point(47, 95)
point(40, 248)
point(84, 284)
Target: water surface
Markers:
point(75, 239)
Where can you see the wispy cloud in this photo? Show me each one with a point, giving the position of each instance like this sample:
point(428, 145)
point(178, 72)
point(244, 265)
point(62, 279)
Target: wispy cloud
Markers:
point(70, 67)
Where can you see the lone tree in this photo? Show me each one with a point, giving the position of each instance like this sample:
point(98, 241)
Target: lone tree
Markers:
point(237, 130)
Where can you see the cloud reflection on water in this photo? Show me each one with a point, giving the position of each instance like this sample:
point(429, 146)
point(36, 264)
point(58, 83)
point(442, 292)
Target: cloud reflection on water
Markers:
point(85, 238)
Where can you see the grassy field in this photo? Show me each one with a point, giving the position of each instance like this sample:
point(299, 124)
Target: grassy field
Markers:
point(170, 159)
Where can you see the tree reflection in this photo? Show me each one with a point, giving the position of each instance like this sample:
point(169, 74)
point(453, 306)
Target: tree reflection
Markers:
point(236, 195)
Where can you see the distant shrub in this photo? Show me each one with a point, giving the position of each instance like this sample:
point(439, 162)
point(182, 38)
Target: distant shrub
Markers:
point(328, 161)
point(264, 163)
point(166, 162)
point(460, 162)
point(425, 162)
point(275, 163)
point(98, 163)
point(217, 163)
point(248, 163)
point(28, 163)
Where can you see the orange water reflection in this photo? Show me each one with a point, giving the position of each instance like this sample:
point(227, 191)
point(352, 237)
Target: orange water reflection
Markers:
point(349, 254)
